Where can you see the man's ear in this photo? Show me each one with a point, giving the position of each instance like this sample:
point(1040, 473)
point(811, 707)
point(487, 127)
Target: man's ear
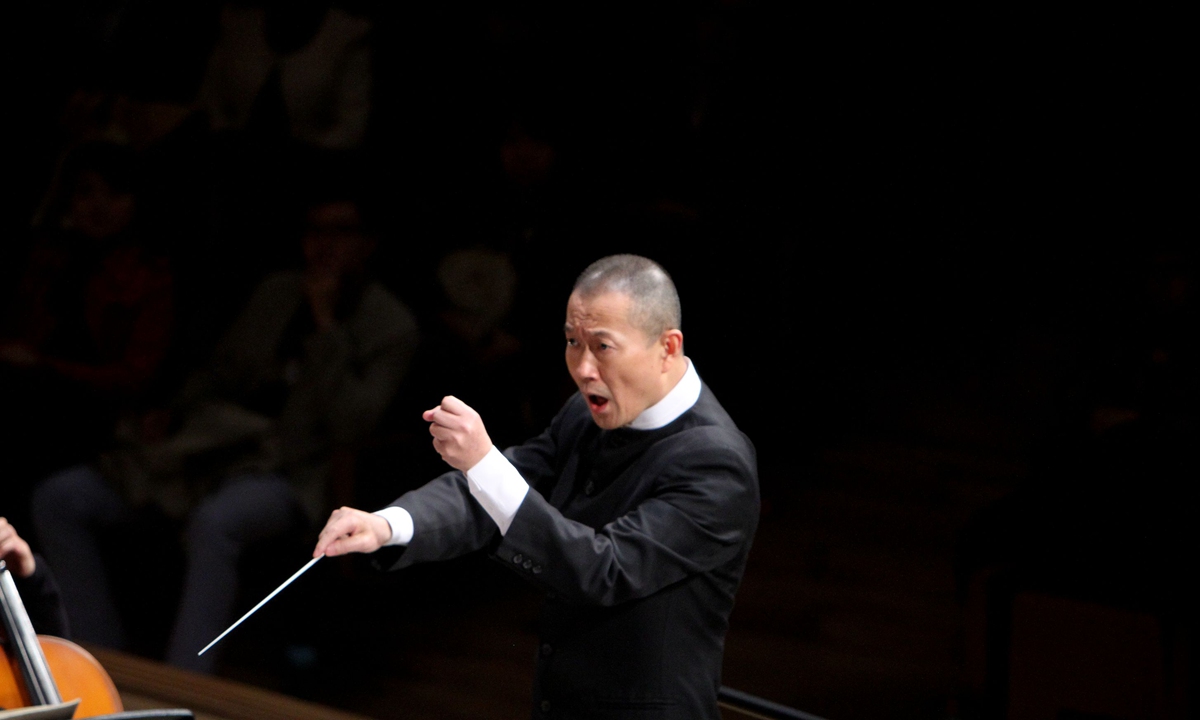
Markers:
point(672, 344)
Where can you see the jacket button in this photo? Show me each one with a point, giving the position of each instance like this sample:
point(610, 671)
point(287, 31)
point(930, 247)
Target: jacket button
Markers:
point(537, 569)
point(527, 564)
point(518, 558)
point(546, 649)
point(545, 706)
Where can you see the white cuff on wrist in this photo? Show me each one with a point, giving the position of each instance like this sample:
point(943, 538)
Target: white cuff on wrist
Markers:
point(401, 523)
point(498, 487)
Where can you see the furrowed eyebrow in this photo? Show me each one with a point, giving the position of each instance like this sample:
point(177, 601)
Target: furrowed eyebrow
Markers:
point(603, 334)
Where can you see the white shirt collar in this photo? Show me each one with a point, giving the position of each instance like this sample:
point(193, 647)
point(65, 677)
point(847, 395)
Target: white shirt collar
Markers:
point(679, 400)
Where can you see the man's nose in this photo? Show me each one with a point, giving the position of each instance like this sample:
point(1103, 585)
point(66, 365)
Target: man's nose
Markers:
point(586, 367)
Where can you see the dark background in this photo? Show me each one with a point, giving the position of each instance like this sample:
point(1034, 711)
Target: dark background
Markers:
point(924, 258)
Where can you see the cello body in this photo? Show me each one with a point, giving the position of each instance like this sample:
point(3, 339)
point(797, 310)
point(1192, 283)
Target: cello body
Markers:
point(44, 670)
point(76, 673)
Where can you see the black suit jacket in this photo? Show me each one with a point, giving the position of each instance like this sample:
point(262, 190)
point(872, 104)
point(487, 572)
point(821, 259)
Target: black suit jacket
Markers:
point(639, 539)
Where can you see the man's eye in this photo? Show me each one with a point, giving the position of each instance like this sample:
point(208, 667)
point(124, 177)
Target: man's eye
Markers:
point(572, 342)
point(604, 346)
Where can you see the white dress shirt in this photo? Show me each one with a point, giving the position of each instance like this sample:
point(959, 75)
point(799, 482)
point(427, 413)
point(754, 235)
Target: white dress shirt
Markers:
point(499, 488)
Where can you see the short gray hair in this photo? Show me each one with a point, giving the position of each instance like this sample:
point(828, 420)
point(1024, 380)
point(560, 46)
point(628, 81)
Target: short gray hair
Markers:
point(655, 306)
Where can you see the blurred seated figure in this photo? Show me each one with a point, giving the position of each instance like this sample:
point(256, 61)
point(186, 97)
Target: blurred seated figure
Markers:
point(464, 347)
point(90, 321)
point(247, 451)
point(285, 87)
point(299, 68)
point(39, 592)
point(470, 349)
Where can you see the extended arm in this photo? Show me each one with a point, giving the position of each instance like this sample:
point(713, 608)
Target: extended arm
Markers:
point(439, 520)
point(696, 508)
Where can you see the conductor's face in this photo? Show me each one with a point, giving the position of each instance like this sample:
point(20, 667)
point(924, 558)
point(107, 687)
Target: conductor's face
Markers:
point(619, 369)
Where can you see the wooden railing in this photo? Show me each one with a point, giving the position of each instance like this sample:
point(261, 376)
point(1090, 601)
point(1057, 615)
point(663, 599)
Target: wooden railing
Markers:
point(747, 705)
point(213, 698)
point(207, 696)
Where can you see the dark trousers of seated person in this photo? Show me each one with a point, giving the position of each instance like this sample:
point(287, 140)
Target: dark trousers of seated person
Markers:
point(72, 508)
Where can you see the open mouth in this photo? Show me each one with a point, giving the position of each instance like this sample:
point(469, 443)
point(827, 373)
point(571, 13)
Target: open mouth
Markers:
point(597, 403)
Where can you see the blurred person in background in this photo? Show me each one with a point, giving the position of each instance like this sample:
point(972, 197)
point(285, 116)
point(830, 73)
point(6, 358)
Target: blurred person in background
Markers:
point(299, 69)
point(253, 447)
point(90, 320)
point(470, 349)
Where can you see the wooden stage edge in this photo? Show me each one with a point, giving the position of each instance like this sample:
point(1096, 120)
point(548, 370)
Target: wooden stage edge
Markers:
point(144, 681)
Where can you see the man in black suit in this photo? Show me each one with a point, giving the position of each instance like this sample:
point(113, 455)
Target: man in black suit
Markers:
point(634, 511)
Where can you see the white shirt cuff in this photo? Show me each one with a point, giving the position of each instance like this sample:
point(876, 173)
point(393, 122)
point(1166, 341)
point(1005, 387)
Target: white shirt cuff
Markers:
point(498, 487)
point(400, 522)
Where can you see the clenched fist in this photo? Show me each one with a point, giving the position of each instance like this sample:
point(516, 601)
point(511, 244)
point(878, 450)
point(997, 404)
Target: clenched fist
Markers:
point(458, 433)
